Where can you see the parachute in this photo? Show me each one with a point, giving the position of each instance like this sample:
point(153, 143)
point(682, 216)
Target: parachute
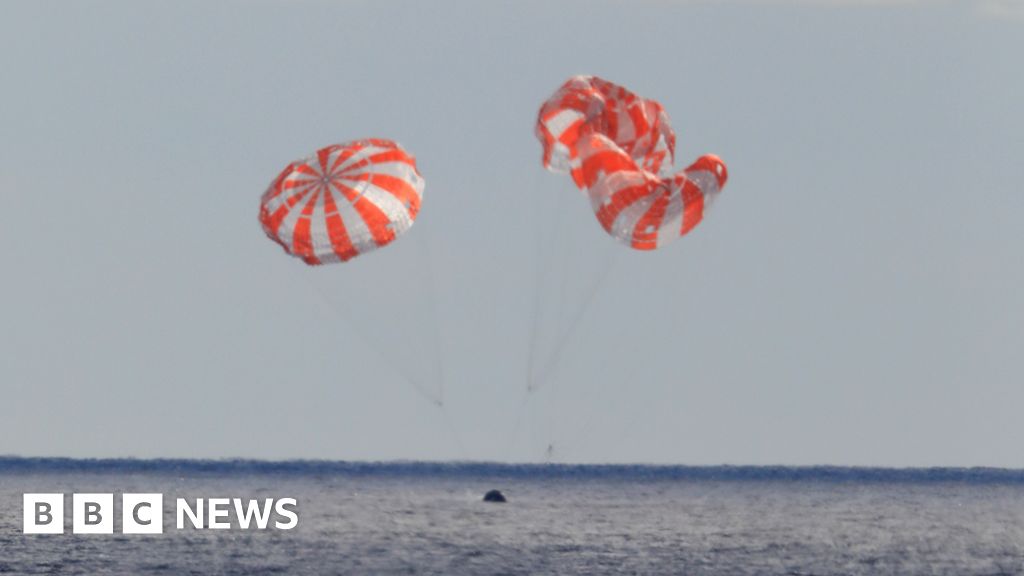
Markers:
point(619, 149)
point(636, 207)
point(345, 200)
point(341, 202)
point(586, 105)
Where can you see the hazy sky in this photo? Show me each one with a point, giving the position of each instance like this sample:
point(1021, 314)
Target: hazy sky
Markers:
point(855, 297)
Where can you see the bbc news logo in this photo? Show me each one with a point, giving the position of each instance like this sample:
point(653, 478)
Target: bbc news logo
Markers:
point(144, 513)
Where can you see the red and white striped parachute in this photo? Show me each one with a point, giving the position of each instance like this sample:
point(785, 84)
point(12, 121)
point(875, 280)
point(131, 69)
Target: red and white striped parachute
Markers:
point(638, 208)
point(619, 148)
point(343, 201)
point(588, 104)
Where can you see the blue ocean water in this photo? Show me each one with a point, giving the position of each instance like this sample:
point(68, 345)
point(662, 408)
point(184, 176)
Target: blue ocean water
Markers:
point(428, 518)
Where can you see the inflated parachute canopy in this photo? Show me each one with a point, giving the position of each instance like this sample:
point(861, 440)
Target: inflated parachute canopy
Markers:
point(619, 149)
point(345, 200)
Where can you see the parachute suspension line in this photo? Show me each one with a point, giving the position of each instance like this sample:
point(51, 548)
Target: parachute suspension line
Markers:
point(552, 280)
point(545, 241)
point(427, 268)
point(547, 233)
point(571, 439)
point(587, 297)
point(376, 346)
point(454, 432)
point(561, 274)
point(561, 270)
point(557, 313)
point(542, 237)
point(426, 264)
point(517, 424)
point(607, 401)
point(577, 315)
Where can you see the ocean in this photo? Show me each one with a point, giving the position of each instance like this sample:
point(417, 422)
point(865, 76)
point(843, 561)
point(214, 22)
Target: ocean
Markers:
point(429, 518)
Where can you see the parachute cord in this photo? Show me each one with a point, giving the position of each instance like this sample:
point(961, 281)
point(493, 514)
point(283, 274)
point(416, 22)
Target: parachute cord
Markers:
point(376, 346)
point(589, 295)
point(548, 312)
point(427, 265)
point(544, 239)
point(552, 266)
point(427, 268)
point(608, 397)
point(561, 293)
point(535, 316)
point(436, 401)
point(517, 425)
point(546, 224)
point(454, 432)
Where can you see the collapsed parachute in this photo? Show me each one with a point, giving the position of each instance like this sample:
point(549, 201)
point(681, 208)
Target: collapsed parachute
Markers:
point(619, 149)
point(345, 200)
point(588, 104)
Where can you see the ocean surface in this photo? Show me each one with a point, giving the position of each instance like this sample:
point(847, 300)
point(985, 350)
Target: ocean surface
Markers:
point(427, 518)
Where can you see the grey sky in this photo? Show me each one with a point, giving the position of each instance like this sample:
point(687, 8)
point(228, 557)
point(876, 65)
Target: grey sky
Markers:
point(856, 296)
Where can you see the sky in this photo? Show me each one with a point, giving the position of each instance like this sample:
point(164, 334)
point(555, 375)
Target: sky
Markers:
point(855, 297)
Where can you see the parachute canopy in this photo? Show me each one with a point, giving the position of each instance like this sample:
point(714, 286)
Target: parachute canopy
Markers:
point(343, 201)
point(588, 104)
point(619, 149)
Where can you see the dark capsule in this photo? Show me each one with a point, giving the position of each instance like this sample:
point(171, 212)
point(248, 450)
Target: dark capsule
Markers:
point(494, 496)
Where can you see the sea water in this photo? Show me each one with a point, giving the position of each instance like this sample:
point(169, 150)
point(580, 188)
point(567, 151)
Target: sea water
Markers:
point(428, 518)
